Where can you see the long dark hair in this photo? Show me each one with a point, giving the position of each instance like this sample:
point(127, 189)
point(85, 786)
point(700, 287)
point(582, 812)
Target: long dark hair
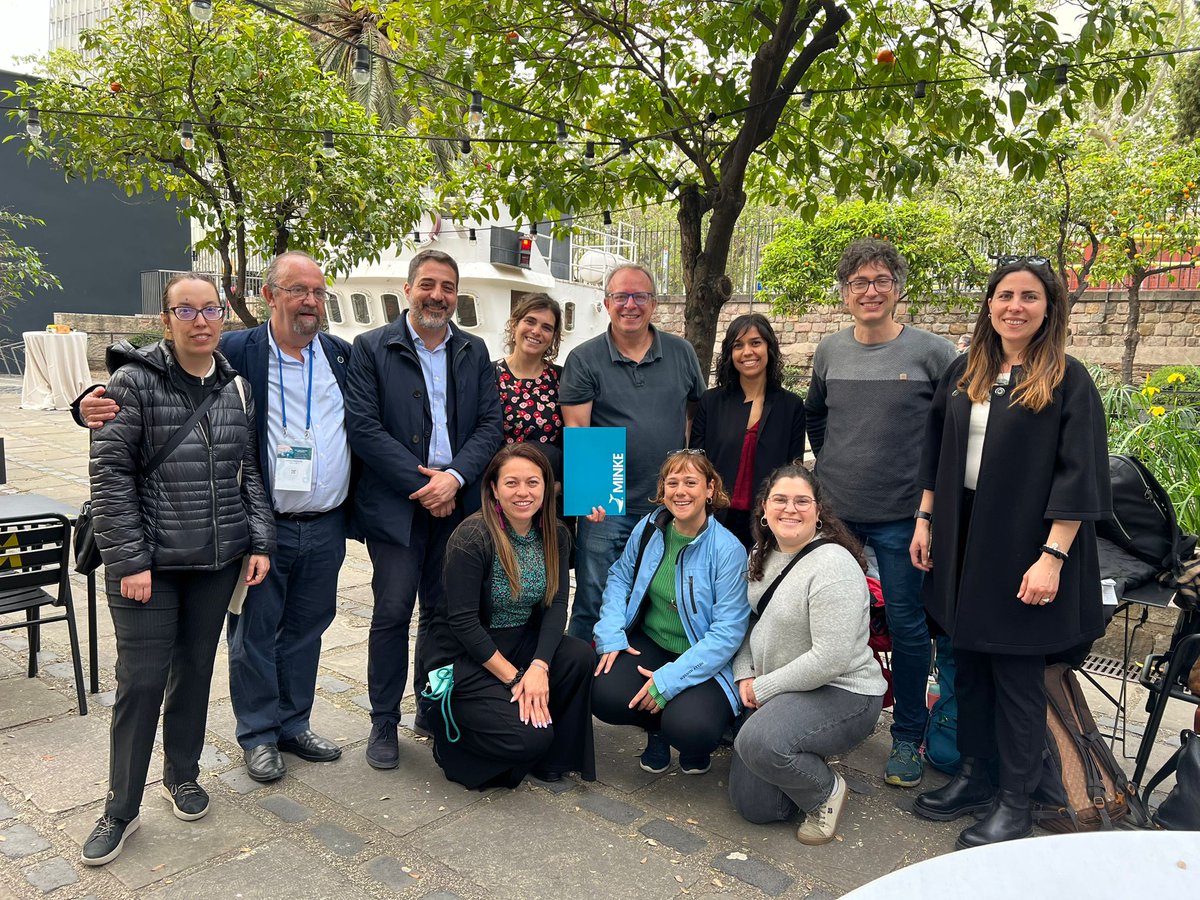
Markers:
point(549, 523)
point(832, 528)
point(533, 303)
point(727, 373)
point(1046, 357)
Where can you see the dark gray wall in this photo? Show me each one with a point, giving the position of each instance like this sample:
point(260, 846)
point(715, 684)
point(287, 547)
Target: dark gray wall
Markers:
point(96, 240)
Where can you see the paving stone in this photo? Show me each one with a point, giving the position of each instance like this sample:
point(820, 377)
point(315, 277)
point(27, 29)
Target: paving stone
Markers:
point(617, 752)
point(819, 894)
point(21, 840)
point(285, 807)
point(390, 871)
point(62, 764)
point(350, 663)
point(559, 854)
point(212, 759)
point(239, 781)
point(164, 845)
point(361, 612)
point(673, 836)
point(108, 698)
point(64, 670)
point(30, 699)
point(8, 667)
point(344, 633)
point(755, 872)
point(363, 701)
point(331, 684)
point(606, 807)
point(50, 875)
point(14, 642)
point(337, 839)
point(328, 720)
point(400, 800)
point(269, 871)
point(858, 785)
point(561, 786)
point(6, 811)
point(441, 895)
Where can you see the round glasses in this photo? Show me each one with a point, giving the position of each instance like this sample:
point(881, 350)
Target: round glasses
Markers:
point(188, 313)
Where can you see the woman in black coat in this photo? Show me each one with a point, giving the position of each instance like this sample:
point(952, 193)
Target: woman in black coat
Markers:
point(173, 542)
point(749, 424)
point(521, 697)
point(1015, 474)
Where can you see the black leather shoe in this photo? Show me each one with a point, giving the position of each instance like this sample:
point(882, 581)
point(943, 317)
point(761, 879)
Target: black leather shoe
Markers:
point(310, 746)
point(970, 791)
point(263, 763)
point(1011, 818)
point(383, 748)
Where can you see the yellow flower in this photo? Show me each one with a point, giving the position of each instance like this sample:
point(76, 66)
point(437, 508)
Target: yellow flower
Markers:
point(1176, 378)
point(1149, 391)
point(1158, 411)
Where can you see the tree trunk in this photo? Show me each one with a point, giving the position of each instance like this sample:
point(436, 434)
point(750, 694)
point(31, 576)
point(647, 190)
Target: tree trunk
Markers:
point(707, 286)
point(1132, 335)
point(235, 292)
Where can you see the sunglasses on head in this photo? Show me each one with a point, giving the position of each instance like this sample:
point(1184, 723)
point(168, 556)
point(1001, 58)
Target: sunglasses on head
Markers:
point(1031, 260)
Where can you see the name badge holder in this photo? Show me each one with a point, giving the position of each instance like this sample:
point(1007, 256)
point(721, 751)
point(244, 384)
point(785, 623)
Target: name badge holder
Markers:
point(294, 457)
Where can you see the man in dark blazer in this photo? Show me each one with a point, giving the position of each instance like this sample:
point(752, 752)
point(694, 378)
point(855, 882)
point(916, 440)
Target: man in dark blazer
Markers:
point(297, 374)
point(423, 414)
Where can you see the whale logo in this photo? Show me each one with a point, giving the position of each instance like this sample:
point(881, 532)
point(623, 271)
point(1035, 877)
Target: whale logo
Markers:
point(620, 504)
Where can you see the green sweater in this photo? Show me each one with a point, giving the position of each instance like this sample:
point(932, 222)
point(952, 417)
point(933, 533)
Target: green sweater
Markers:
point(662, 623)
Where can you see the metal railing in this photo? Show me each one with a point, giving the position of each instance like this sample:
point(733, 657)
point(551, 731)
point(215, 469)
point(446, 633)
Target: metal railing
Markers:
point(154, 282)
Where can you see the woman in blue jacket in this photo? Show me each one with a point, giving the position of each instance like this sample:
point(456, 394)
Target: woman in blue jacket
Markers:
point(673, 615)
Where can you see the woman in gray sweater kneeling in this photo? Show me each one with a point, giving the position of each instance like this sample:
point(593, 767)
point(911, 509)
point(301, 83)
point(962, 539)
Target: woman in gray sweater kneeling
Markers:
point(806, 655)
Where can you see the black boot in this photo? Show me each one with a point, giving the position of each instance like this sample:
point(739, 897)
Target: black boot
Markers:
point(970, 791)
point(1011, 818)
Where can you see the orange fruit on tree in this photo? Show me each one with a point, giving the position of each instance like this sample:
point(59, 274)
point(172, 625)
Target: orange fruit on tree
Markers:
point(885, 57)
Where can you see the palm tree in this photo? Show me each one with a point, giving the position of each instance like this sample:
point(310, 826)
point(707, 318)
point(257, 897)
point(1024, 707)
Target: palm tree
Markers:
point(388, 93)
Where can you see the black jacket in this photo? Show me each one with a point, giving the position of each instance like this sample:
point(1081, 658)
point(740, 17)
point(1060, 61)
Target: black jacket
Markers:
point(719, 429)
point(191, 513)
point(1036, 467)
point(389, 423)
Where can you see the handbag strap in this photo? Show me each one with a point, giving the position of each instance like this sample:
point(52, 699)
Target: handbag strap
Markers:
point(1169, 766)
point(770, 591)
point(177, 438)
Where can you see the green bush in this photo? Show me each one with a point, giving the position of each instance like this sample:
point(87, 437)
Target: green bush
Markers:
point(145, 338)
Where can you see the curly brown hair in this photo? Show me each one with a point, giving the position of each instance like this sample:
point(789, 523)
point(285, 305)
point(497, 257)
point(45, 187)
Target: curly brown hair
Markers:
point(832, 528)
point(681, 459)
point(526, 305)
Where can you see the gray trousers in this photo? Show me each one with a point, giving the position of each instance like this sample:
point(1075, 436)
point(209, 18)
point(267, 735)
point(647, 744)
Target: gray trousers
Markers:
point(779, 758)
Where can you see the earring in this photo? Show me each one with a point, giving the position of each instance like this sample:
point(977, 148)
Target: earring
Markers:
point(818, 523)
point(763, 521)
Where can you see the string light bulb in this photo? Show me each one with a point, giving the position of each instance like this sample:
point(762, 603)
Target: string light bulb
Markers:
point(607, 218)
point(589, 153)
point(33, 123)
point(187, 140)
point(807, 99)
point(1060, 75)
point(626, 148)
point(201, 10)
point(471, 234)
point(561, 137)
point(919, 90)
point(327, 147)
point(464, 147)
point(361, 73)
point(533, 228)
point(475, 116)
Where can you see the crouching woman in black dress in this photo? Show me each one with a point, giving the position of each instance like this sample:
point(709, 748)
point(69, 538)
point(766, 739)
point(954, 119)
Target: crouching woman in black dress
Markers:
point(521, 699)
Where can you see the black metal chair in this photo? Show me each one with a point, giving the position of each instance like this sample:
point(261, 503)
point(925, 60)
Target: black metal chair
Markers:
point(35, 554)
point(1164, 677)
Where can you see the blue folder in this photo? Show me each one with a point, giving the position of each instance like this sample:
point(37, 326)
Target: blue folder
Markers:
point(593, 470)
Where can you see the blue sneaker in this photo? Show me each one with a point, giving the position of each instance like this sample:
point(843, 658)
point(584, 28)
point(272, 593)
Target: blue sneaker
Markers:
point(904, 766)
point(695, 765)
point(656, 758)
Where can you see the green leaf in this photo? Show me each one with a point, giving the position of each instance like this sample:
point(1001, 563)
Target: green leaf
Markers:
point(1016, 105)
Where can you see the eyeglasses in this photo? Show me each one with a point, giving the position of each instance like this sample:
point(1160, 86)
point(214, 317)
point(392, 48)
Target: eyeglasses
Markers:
point(1032, 260)
point(883, 284)
point(640, 298)
point(779, 501)
point(299, 293)
point(188, 313)
point(687, 451)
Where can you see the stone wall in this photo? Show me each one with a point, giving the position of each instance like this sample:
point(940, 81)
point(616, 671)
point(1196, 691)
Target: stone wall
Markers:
point(103, 330)
point(1169, 325)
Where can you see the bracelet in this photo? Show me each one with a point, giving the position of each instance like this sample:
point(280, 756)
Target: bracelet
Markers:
point(1055, 552)
point(541, 665)
point(516, 678)
point(921, 514)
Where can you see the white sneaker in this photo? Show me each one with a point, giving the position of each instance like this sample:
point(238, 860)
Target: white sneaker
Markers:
point(820, 825)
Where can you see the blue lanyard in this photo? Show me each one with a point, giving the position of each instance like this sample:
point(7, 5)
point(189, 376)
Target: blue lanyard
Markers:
point(283, 398)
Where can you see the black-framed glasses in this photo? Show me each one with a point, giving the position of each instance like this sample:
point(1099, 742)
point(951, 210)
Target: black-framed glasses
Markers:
point(883, 284)
point(640, 298)
point(188, 313)
point(1009, 260)
point(297, 292)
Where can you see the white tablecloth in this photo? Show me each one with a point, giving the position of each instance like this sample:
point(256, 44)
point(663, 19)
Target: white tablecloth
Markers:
point(56, 369)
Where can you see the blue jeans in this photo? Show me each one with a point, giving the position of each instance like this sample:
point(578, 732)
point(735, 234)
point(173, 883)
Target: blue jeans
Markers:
point(597, 546)
point(275, 644)
point(906, 622)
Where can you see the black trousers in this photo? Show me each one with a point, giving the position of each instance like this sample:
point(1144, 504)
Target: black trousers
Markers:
point(496, 748)
point(1002, 714)
point(165, 647)
point(693, 722)
point(402, 574)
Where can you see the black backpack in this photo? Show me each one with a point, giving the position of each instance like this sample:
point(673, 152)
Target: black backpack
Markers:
point(1143, 522)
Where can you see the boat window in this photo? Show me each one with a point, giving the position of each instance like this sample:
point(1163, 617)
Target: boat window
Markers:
point(568, 316)
point(333, 306)
point(391, 307)
point(362, 311)
point(467, 314)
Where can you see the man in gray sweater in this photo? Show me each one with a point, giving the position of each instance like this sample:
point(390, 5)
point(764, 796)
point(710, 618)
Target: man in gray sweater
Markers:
point(872, 384)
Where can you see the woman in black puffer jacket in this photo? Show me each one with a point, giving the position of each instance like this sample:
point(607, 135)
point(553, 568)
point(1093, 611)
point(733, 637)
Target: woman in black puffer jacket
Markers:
point(173, 542)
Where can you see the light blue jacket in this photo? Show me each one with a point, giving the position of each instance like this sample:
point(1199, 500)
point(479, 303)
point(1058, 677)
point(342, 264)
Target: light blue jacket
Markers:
point(710, 591)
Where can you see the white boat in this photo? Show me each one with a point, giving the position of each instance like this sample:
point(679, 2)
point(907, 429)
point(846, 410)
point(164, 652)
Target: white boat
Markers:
point(497, 266)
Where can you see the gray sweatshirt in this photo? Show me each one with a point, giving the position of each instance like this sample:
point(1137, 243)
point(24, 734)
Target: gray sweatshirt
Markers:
point(814, 631)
